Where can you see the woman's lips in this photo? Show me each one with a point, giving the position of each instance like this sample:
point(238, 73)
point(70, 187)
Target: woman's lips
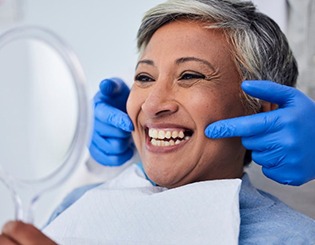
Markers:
point(162, 140)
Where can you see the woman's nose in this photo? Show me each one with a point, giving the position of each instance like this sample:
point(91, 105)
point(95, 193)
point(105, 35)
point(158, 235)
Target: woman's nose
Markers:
point(160, 101)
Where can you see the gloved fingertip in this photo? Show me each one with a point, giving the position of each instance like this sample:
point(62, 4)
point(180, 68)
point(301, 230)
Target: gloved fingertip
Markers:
point(127, 125)
point(210, 133)
point(110, 86)
point(246, 83)
point(216, 131)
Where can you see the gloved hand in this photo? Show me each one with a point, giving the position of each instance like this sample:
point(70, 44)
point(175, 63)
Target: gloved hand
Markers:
point(282, 140)
point(111, 143)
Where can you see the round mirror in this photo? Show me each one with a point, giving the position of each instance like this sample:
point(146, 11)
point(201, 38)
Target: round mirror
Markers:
point(44, 110)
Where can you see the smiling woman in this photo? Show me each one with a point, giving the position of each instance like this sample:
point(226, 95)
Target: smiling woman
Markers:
point(194, 54)
point(184, 72)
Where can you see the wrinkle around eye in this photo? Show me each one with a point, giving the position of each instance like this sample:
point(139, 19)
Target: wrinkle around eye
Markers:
point(189, 78)
point(189, 82)
point(207, 80)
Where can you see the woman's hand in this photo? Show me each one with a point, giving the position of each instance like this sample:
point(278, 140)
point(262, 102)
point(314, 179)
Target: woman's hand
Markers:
point(17, 232)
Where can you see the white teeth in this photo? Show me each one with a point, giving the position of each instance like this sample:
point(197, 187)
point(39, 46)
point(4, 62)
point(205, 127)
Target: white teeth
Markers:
point(177, 142)
point(174, 134)
point(161, 137)
point(161, 134)
point(181, 134)
point(168, 135)
point(153, 133)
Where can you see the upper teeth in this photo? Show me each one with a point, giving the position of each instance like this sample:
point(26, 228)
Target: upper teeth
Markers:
point(160, 137)
point(162, 134)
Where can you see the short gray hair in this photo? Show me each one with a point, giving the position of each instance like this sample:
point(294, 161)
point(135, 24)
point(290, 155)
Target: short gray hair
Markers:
point(260, 48)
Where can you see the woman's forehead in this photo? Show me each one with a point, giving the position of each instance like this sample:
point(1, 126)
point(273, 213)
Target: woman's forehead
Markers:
point(187, 39)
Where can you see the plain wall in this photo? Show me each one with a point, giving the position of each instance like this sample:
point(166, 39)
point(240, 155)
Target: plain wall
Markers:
point(103, 36)
point(102, 33)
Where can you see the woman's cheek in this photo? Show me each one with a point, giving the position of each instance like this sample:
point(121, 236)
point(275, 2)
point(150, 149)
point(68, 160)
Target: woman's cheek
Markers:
point(131, 106)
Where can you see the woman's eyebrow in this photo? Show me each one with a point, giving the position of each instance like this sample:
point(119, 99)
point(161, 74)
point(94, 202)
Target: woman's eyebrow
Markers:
point(179, 61)
point(147, 62)
point(188, 59)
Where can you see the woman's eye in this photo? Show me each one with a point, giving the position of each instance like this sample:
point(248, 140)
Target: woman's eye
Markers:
point(143, 78)
point(190, 76)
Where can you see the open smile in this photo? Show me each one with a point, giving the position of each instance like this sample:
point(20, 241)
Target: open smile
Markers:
point(167, 137)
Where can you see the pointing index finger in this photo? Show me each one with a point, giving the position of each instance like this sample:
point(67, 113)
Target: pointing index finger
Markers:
point(242, 126)
point(270, 91)
point(259, 123)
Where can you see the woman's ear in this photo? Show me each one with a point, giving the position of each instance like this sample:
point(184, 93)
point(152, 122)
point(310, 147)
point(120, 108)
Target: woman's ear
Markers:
point(267, 106)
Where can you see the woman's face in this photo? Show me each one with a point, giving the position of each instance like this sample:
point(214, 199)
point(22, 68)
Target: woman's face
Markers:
point(185, 79)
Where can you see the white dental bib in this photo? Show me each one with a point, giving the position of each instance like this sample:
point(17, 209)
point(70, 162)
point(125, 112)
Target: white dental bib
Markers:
point(129, 210)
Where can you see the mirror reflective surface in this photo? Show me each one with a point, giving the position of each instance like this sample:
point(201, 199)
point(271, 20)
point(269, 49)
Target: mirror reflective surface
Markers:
point(39, 109)
point(44, 114)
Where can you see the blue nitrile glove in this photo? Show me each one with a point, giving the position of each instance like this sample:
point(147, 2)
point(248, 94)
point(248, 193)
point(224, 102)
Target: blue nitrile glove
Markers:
point(282, 140)
point(111, 143)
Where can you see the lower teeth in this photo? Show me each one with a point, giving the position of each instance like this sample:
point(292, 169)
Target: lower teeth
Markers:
point(156, 142)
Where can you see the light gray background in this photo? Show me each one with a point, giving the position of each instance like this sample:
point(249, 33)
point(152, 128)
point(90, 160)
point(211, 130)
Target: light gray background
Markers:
point(102, 33)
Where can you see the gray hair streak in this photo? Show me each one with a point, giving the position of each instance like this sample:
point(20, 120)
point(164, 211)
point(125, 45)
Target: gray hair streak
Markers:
point(260, 49)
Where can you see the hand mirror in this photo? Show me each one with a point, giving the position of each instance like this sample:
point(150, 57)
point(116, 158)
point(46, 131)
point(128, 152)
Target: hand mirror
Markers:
point(44, 114)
